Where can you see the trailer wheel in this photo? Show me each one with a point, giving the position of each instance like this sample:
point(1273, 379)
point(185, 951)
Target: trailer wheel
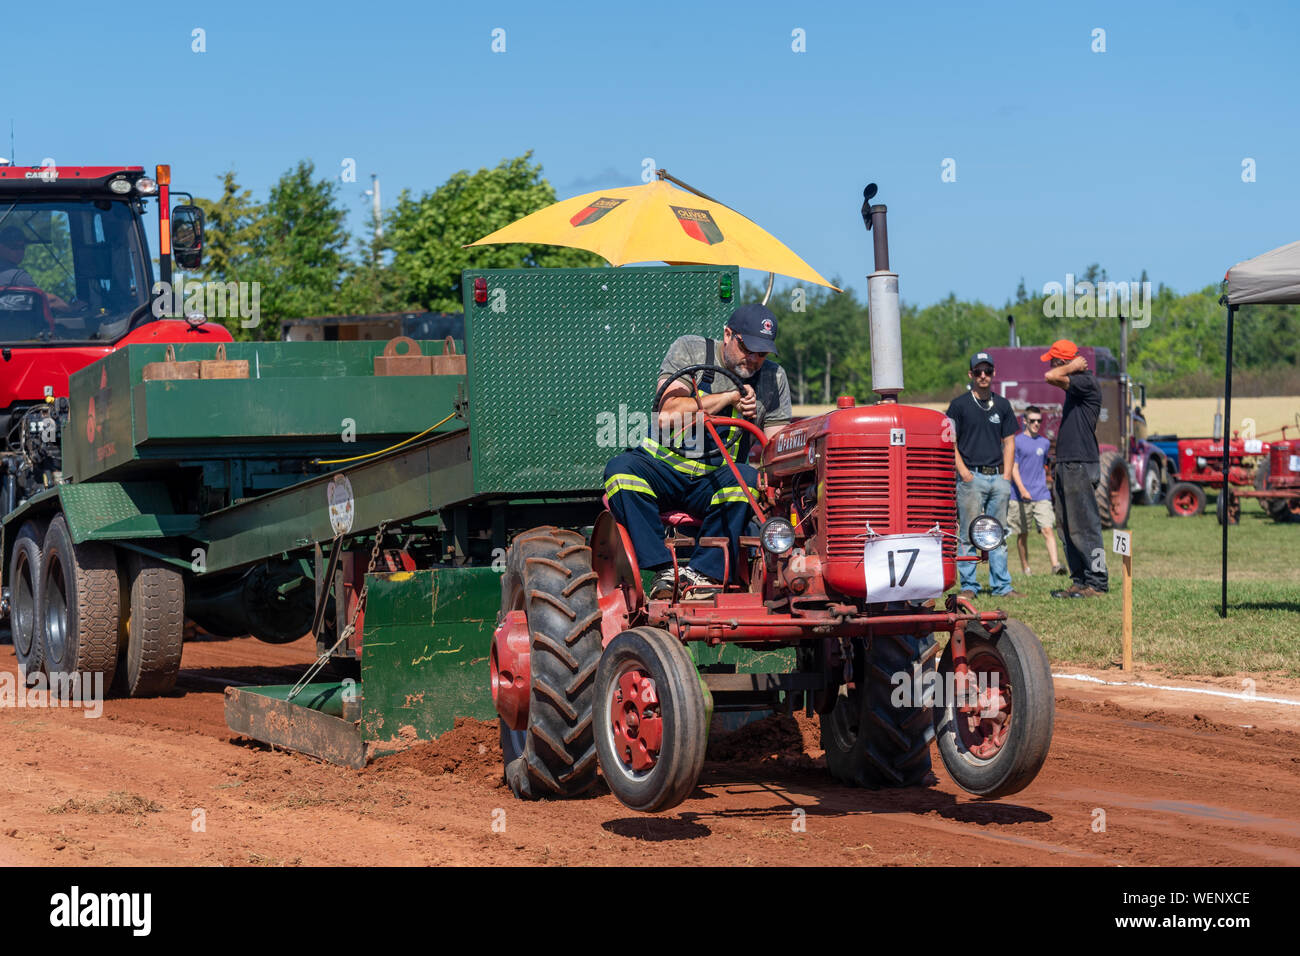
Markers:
point(1114, 491)
point(548, 576)
point(24, 592)
point(651, 724)
point(155, 627)
point(1185, 500)
point(999, 749)
point(79, 605)
point(872, 738)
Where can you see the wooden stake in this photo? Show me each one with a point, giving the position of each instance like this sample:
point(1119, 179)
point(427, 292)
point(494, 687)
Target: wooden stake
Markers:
point(1128, 613)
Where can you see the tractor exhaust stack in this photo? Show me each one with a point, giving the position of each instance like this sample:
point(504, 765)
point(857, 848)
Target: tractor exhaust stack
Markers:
point(882, 305)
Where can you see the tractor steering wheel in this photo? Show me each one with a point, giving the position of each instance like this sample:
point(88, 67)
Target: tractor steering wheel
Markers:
point(712, 422)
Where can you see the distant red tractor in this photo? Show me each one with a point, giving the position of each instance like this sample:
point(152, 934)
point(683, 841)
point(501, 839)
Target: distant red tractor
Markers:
point(1273, 468)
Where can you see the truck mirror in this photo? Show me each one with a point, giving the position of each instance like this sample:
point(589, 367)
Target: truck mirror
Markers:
point(187, 236)
point(1142, 395)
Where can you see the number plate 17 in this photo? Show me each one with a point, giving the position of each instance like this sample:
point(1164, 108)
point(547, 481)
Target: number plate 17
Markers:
point(903, 567)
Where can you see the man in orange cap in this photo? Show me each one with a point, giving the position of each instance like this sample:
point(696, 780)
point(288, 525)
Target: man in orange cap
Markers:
point(1078, 470)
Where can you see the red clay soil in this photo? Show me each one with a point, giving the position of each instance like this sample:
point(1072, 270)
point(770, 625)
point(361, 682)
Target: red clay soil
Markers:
point(165, 782)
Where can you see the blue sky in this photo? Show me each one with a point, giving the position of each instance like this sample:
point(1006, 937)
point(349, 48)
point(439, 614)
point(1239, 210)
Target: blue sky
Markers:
point(1131, 158)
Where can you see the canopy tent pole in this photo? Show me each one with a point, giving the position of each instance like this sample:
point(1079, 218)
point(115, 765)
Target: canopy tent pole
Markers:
point(1224, 492)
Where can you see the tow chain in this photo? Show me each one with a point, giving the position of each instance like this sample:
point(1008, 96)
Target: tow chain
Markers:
point(348, 631)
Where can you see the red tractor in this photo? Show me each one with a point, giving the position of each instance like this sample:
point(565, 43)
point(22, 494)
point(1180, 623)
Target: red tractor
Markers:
point(1200, 466)
point(1277, 481)
point(76, 283)
point(854, 546)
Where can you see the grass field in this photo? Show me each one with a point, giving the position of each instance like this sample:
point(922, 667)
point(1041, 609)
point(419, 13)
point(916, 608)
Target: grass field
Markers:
point(1176, 593)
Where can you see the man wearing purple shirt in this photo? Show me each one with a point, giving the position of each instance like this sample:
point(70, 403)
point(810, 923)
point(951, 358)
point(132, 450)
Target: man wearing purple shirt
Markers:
point(1029, 495)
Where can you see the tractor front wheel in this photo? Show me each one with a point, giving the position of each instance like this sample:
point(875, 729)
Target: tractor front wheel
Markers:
point(994, 734)
point(549, 578)
point(879, 732)
point(651, 724)
point(1185, 500)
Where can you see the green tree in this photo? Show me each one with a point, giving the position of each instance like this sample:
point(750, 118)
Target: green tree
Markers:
point(232, 224)
point(427, 234)
point(299, 250)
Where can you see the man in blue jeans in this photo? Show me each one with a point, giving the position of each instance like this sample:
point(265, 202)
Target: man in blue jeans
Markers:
point(985, 427)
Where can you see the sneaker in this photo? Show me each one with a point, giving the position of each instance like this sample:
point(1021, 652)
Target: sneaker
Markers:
point(1060, 569)
point(690, 578)
point(661, 588)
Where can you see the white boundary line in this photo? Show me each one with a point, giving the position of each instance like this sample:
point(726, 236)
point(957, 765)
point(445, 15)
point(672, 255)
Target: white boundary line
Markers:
point(1254, 698)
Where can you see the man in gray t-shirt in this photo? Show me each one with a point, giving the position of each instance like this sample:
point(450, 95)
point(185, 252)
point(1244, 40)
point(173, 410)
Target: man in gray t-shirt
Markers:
point(680, 467)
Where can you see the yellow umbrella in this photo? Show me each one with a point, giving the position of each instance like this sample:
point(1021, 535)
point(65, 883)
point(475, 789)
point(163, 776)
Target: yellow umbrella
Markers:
point(656, 222)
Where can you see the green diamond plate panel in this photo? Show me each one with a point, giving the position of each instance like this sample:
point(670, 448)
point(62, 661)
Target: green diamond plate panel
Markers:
point(554, 353)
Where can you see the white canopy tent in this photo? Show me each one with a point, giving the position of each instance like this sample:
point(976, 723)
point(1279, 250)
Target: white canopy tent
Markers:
point(1269, 279)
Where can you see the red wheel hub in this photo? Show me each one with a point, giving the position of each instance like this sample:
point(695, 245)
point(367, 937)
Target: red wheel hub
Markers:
point(636, 721)
point(1185, 502)
point(984, 727)
point(512, 675)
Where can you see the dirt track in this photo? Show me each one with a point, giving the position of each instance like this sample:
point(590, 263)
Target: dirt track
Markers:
point(1179, 780)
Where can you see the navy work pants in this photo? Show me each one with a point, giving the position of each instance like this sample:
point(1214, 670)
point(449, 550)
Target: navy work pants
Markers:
point(640, 486)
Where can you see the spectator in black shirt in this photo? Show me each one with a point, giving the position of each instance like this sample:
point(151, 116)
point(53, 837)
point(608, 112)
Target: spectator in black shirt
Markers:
point(986, 427)
point(1078, 470)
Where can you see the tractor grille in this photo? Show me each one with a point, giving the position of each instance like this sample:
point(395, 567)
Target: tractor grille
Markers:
point(858, 484)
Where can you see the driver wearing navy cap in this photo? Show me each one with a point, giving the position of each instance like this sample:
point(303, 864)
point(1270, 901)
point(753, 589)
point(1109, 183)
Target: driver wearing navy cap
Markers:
point(686, 470)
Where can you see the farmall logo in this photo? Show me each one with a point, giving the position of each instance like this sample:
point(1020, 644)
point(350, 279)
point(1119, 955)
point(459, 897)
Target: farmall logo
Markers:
point(589, 214)
point(790, 442)
point(699, 225)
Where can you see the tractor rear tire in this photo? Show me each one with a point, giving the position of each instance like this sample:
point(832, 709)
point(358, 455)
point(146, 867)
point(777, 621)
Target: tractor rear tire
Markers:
point(155, 627)
point(1114, 491)
point(1002, 754)
point(870, 741)
point(1232, 508)
point(1185, 500)
point(548, 576)
point(646, 679)
point(79, 606)
point(24, 594)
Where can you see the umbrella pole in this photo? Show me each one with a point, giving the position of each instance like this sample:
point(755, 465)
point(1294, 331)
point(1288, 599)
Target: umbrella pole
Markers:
point(1227, 431)
point(771, 278)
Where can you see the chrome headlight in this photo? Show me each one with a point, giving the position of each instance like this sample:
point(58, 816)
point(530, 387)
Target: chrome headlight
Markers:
point(146, 186)
point(120, 186)
point(777, 535)
point(986, 533)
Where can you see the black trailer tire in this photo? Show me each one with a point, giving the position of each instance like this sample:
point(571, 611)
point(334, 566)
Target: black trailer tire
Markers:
point(79, 606)
point(672, 698)
point(1113, 491)
point(1029, 718)
point(155, 627)
point(548, 576)
point(24, 592)
point(1185, 500)
point(870, 739)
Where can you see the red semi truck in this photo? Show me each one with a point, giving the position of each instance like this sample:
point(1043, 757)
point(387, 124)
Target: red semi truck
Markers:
point(1131, 467)
point(76, 283)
